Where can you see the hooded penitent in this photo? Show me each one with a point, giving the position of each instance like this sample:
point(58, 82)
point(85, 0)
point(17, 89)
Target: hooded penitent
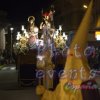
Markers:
point(76, 68)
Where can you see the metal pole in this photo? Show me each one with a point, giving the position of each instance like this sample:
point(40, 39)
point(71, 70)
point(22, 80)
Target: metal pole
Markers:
point(11, 59)
point(11, 46)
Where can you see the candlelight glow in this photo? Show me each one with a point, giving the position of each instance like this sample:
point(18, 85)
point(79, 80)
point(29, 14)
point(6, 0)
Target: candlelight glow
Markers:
point(85, 6)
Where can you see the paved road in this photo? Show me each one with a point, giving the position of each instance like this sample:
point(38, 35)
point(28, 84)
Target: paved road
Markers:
point(9, 89)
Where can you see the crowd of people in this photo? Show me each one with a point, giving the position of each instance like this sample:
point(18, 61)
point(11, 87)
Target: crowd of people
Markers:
point(5, 57)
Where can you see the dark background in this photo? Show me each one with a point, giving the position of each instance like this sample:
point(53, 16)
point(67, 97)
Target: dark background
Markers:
point(19, 10)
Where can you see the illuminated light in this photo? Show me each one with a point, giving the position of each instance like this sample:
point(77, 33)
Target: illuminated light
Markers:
point(85, 6)
point(66, 37)
point(60, 27)
point(18, 35)
point(97, 35)
point(25, 31)
point(36, 30)
point(40, 57)
point(11, 28)
point(26, 35)
point(64, 34)
point(22, 28)
point(13, 68)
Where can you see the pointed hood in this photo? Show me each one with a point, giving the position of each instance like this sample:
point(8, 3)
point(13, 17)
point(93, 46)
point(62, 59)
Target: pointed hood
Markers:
point(74, 63)
point(76, 59)
point(76, 68)
point(80, 37)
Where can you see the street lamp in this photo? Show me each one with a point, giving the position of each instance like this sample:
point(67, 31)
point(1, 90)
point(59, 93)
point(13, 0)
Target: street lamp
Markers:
point(11, 29)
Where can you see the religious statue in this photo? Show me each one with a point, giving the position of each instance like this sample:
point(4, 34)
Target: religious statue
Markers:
point(44, 61)
point(33, 32)
point(45, 24)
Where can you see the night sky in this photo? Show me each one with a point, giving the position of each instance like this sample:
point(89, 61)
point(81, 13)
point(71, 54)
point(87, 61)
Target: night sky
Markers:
point(19, 10)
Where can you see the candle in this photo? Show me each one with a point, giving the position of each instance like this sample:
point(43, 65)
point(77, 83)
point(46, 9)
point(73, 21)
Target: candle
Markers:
point(22, 27)
point(64, 34)
point(18, 35)
point(60, 27)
